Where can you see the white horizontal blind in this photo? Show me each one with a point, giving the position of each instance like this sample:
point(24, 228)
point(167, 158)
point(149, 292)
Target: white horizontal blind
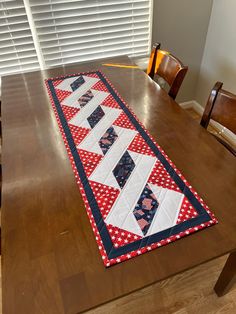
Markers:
point(79, 30)
point(17, 50)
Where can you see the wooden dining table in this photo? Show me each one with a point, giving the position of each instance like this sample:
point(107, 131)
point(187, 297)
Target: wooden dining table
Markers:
point(50, 259)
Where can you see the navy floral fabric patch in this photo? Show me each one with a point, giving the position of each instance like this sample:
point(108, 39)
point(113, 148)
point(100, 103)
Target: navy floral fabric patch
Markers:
point(96, 116)
point(107, 140)
point(77, 83)
point(145, 209)
point(83, 100)
point(123, 169)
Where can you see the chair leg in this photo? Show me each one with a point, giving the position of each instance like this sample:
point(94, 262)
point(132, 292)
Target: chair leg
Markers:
point(227, 276)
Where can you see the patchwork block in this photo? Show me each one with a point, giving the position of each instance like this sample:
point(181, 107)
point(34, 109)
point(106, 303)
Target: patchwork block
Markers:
point(135, 197)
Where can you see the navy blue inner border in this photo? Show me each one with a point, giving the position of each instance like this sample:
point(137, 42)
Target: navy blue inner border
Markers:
point(111, 251)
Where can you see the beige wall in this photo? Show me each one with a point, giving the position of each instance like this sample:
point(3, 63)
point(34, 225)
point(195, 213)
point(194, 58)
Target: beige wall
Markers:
point(181, 27)
point(219, 59)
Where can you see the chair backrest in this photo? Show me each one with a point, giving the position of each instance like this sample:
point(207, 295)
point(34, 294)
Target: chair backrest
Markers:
point(220, 107)
point(168, 67)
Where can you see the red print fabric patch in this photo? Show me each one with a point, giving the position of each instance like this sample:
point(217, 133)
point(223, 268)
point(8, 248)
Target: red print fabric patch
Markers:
point(134, 196)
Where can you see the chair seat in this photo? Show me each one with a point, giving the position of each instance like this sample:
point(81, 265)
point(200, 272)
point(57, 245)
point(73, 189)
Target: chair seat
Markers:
point(227, 145)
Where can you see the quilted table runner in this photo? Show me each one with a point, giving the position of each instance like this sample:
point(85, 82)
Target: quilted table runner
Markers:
point(135, 197)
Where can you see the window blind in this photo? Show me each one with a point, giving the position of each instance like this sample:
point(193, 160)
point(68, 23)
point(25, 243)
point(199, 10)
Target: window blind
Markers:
point(45, 33)
point(17, 50)
point(81, 30)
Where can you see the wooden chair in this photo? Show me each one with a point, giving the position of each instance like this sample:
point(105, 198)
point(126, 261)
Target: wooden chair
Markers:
point(167, 67)
point(221, 107)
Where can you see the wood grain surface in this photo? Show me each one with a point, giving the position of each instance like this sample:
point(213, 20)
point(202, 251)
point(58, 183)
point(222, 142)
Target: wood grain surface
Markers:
point(50, 259)
point(187, 293)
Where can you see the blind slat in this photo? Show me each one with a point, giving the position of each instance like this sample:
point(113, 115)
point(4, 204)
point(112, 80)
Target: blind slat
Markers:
point(85, 9)
point(41, 3)
point(90, 17)
point(109, 21)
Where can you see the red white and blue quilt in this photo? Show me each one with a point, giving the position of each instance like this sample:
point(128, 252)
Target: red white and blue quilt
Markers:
point(135, 197)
